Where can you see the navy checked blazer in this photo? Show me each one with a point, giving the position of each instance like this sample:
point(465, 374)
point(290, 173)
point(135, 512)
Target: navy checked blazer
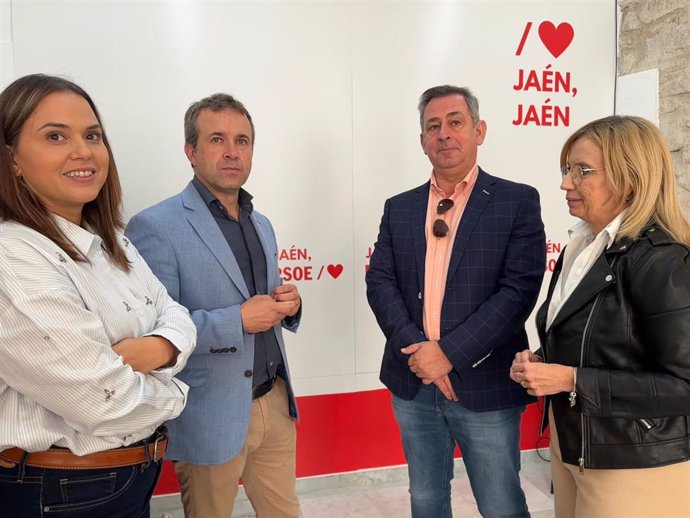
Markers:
point(494, 276)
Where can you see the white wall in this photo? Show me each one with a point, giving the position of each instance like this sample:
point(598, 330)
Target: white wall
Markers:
point(6, 57)
point(333, 87)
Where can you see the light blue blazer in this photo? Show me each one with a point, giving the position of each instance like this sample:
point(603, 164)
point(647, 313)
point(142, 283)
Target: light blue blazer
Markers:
point(181, 242)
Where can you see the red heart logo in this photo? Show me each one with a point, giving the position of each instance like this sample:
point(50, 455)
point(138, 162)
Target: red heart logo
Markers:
point(556, 39)
point(335, 270)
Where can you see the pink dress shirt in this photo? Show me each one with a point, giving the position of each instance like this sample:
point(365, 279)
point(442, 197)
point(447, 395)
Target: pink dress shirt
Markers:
point(439, 249)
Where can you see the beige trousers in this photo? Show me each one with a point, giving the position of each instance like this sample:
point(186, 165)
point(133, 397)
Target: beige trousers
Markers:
point(662, 492)
point(266, 465)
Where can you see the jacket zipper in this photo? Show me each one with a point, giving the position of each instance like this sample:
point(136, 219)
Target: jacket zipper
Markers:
point(573, 395)
point(646, 423)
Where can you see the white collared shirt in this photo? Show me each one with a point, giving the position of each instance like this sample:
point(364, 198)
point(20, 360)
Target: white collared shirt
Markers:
point(60, 381)
point(580, 255)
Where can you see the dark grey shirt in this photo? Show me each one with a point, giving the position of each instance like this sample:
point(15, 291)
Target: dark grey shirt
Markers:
point(246, 247)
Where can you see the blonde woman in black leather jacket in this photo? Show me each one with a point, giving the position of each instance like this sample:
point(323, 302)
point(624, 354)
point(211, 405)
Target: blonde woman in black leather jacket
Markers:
point(615, 331)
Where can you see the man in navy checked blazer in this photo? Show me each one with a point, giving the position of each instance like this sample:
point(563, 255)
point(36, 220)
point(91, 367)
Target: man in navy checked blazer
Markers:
point(455, 272)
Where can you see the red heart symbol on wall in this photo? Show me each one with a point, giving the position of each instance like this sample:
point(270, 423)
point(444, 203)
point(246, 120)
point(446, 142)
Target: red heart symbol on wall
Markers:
point(556, 39)
point(335, 270)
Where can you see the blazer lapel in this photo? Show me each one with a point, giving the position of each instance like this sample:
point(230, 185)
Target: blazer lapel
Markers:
point(481, 195)
point(271, 261)
point(205, 226)
point(418, 209)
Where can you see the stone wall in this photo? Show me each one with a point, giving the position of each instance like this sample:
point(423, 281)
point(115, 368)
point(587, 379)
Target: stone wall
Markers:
point(656, 34)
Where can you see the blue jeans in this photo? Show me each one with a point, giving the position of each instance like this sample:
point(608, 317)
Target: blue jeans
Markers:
point(431, 425)
point(28, 492)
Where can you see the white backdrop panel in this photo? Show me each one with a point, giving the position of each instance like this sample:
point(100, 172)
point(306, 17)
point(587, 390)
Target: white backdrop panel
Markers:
point(332, 87)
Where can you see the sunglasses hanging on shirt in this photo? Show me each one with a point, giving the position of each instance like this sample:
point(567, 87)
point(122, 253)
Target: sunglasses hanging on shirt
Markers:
point(441, 228)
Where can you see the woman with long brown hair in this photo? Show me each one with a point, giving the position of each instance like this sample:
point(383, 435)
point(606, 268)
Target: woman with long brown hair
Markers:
point(90, 341)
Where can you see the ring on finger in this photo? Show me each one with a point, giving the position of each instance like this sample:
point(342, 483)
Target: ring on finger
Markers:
point(522, 383)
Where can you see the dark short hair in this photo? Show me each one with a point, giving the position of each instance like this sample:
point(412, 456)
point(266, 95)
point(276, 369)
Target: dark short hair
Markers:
point(216, 103)
point(18, 203)
point(436, 92)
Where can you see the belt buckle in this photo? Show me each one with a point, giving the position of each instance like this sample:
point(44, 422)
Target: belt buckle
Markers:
point(263, 389)
point(156, 458)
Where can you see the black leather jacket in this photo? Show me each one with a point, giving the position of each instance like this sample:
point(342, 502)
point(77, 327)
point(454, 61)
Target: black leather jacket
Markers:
point(627, 329)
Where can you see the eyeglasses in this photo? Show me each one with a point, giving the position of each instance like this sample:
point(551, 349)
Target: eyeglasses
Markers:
point(576, 172)
point(441, 228)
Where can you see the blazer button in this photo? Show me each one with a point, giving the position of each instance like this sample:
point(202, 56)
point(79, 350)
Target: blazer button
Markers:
point(248, 374)
point(233, 349)
point(212, 350)
point(225, 350)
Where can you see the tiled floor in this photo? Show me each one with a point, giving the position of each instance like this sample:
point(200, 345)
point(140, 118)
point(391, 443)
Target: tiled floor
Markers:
point(383, 494)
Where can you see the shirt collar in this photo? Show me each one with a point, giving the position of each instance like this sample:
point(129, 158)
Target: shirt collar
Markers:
point(460, 186)
point(244, 198)
point(82, 239)
point(583, 229)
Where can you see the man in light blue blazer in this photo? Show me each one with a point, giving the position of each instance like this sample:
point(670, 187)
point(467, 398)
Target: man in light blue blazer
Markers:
point(218, 257)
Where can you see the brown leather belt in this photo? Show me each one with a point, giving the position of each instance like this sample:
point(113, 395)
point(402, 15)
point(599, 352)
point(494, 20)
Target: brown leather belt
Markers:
point(61, 458)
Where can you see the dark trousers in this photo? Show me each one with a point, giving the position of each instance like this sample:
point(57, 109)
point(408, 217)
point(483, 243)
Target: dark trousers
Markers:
point(27, 492)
